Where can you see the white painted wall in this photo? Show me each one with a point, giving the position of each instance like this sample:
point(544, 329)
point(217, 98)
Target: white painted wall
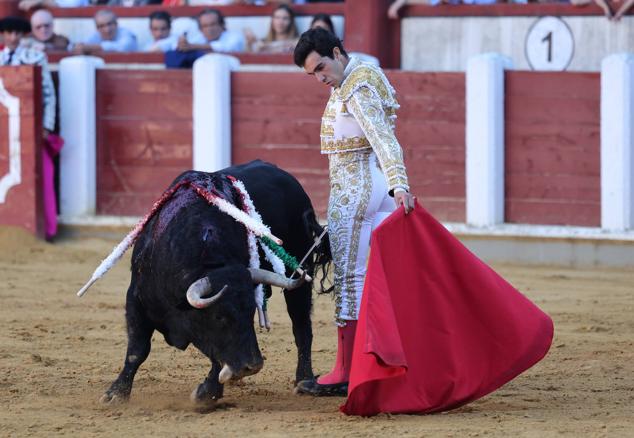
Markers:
point(485, 139)
point(211, 108)
point(617, 142)
point(447, 43)
point(78, 158)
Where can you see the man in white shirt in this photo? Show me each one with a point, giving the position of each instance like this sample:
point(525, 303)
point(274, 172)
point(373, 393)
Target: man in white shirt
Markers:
point(368, 179)
point(160, 28)
point(109, 36)
point(214, 35)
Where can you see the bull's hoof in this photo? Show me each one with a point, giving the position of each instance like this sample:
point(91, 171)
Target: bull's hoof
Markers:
point(113, 398)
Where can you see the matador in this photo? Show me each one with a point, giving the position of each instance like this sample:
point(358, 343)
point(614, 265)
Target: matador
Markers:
point(366, 170)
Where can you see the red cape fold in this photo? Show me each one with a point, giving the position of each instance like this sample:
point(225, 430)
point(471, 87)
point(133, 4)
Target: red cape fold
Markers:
point(437, 327)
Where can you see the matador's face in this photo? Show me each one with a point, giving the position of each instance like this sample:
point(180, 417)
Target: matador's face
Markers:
point(12, 38)
point(328, 71)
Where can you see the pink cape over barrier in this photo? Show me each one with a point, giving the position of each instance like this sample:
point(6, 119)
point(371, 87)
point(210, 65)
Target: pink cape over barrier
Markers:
point(437, 327)
point(52, 145)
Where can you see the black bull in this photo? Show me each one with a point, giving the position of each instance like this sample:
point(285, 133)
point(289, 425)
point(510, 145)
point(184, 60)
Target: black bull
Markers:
point(189, 240)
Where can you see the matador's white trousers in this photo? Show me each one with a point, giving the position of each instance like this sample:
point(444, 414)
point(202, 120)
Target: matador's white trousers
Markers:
point(358, 203)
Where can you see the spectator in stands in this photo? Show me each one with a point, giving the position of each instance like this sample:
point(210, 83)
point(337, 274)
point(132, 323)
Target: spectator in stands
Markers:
point(324, 21)
point(13, 29)
point(42, 36)
point(215, 36)
point(109, 36)
point(27, 5)
point(160, 28)
point(282, 36)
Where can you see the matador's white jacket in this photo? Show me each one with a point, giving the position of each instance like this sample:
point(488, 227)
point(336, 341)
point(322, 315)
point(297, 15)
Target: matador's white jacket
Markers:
point(360, 115)
point(366, 163)
point(28, 56)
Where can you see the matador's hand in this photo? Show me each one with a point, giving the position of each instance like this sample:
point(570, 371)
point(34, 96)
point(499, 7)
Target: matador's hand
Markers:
point(405, 199)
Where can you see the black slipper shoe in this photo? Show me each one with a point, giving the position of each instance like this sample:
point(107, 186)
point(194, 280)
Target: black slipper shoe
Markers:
point(313, 388)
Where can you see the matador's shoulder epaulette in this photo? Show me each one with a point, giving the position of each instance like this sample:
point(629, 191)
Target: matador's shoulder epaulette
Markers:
point(371, 77)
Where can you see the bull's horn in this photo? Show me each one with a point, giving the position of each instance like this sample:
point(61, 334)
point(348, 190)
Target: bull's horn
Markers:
point(267, 277)
point(226, 373)
point(198, 289)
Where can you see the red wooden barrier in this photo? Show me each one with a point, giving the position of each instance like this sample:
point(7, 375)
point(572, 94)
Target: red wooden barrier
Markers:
point(159, 58)
point(276, 117)
point(503, 10)
point(23, 202)
point(9, 7)
point(431, 130)
point(553, 148)
point(191, 11)
point(144, 136)
point(552, 138)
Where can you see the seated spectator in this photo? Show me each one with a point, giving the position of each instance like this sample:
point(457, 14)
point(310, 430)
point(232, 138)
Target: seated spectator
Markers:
point(27, 5)
point(282, 36)
point(324, 21)
point(13, 29)
point(214, 37)
point(109, 36)
point(160, 28)
point(42, 36)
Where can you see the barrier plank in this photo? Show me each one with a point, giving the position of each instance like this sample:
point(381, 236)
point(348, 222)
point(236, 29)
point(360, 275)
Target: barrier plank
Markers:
point(22, 204)
point(552, 156)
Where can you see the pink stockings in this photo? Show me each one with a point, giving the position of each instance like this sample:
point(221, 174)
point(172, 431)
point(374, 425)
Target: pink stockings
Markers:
point(341, 370)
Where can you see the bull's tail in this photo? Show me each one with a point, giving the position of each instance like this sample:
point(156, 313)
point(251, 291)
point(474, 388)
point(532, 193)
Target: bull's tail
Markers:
point(321, 259)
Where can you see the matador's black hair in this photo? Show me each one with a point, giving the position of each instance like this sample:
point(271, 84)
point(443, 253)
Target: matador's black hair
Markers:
point(319, 40)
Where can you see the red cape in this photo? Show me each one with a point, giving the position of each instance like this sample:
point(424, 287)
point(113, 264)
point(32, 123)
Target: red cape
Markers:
point(437, 327)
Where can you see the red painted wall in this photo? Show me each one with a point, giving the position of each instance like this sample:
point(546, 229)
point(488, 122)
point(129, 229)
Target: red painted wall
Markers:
point(144, 136)
point(23, 203)
point(553, 148)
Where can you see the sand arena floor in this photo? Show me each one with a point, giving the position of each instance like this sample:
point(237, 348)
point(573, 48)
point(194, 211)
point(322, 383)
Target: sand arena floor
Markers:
point(58, 353)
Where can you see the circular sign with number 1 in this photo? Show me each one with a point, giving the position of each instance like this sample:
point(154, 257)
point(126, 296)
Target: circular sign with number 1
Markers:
point(549, 44)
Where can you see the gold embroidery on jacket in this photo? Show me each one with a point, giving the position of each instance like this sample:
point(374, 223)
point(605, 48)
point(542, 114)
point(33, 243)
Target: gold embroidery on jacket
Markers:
point(344, 145)
point(378, 128)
